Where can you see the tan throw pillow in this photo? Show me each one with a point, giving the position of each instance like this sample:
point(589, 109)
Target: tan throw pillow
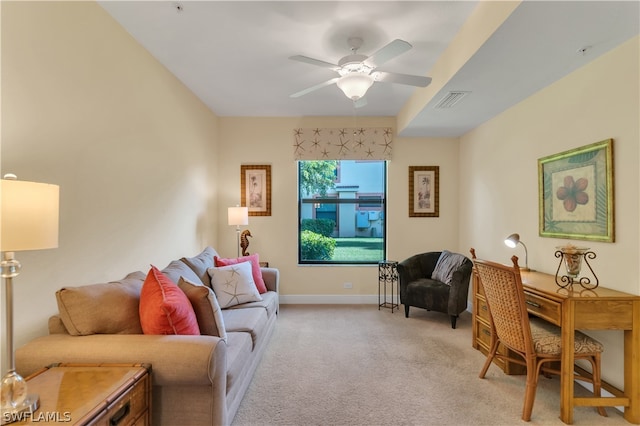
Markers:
point(205, 304)
point(110, 308)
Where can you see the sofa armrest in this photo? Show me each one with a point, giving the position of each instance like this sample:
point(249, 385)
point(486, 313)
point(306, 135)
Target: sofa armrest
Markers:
point(175, 360)
point(271, 277)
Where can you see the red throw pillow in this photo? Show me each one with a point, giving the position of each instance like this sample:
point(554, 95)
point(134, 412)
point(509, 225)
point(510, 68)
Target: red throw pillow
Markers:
point(255, 268)
point(164, 308)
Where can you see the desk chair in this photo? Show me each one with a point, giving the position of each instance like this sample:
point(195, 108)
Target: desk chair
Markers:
point(536, 341)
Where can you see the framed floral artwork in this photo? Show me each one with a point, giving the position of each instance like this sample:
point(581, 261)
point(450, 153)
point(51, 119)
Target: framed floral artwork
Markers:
point(256, 189)
point(424, 195)
point(576, 193)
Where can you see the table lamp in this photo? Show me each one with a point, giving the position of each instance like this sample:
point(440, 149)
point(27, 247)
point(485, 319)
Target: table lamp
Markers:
point(29, 221)
point(512, 241)
point(238, 216)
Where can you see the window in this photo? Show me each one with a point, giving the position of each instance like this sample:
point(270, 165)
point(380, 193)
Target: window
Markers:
point(341, 221)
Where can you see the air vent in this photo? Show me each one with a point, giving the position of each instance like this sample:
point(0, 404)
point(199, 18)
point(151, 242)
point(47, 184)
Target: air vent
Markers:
point(450, 99)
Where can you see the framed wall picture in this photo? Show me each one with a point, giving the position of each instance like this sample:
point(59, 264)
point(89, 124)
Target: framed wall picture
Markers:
point(576, 193)
point(256, 189)
point(424, 196)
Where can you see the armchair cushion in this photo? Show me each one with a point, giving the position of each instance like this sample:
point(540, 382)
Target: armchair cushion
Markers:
point(447, 264)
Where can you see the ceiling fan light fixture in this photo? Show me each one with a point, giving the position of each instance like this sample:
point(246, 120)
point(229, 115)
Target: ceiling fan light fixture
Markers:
point(355, 85)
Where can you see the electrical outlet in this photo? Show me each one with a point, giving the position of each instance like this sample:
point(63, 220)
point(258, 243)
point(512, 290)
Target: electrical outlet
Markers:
point(347, 285)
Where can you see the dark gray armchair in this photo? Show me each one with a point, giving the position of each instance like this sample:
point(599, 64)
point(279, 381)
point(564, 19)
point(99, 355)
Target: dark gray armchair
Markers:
point(419, 289)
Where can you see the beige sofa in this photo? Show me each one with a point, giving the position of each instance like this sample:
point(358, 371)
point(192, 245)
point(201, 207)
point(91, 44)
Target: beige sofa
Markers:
point(197, 380)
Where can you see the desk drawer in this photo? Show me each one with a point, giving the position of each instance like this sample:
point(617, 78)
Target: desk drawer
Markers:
point(544, 308)
point(129, 409)
point(482, 309)
point(483, 334)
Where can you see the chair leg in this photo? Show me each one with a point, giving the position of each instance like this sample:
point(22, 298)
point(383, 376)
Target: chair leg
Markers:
point(453, 321)
point(406, 311)
point(490, 356)
point(533, 371)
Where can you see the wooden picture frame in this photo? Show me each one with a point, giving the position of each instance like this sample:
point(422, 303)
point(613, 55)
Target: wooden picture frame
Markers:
point(424, 192)
point(255, 189)
point(575, 191)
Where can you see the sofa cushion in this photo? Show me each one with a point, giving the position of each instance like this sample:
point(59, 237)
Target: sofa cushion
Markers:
point(447, 264)
point(201, 263)
point(177, 268)
point(205, 305)
point(234, 284)
point(255, 268)
point(239, 355)
point(164, 308)
point(251, 321)
point(269, 302)
point(109, 308)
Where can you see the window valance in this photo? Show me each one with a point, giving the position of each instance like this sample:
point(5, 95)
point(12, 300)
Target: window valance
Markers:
point(347, 143)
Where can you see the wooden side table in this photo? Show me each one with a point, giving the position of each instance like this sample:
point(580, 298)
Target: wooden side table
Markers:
point(90, 394)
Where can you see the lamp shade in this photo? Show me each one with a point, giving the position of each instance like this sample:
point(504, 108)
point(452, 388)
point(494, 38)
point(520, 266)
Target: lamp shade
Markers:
point(238, 215)
point(355, 84)
point(29, 218)
point(512, 240)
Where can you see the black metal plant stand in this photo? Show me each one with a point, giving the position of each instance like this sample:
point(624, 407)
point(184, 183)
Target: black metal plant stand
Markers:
point(388, 275)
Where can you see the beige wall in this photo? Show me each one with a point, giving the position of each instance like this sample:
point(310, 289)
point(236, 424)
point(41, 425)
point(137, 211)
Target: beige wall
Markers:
point(498, 173)
point(270, 141)
point(136, 157)
point(134, 152)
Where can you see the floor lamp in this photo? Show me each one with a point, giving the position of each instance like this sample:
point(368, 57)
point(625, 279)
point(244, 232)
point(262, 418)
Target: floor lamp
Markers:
point(238, 216)
point(29, 221)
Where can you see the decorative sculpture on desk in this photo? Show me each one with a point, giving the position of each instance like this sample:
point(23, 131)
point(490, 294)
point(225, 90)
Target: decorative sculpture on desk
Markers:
point(572, 257)
point(244, 242)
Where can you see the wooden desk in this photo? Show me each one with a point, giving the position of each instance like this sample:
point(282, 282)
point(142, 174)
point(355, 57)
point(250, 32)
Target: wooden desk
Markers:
point(597, 309)
point(577, 309)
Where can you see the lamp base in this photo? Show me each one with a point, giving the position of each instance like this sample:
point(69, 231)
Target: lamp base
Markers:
point(22, 412)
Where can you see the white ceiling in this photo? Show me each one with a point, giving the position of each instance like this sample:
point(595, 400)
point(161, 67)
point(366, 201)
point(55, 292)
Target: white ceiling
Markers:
point(234, 54)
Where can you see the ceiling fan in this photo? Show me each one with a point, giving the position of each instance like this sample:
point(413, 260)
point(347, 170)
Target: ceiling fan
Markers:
point(358, 72)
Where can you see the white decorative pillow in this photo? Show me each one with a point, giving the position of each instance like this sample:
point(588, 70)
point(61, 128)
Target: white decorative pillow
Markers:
point(234, 284)
point(205, 305)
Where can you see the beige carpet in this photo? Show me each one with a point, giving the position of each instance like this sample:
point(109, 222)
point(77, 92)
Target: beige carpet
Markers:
point(356, 365)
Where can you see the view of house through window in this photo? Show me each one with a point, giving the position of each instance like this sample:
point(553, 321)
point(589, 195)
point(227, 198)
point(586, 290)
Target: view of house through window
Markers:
point(341, 211)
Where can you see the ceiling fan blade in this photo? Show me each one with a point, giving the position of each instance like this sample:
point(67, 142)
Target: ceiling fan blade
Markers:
point(316, 62)
point(312, 88)
point(411, 80)
point(388, 52)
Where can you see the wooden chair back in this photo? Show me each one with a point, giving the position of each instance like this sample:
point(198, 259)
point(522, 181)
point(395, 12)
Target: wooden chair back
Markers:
point(505, 298)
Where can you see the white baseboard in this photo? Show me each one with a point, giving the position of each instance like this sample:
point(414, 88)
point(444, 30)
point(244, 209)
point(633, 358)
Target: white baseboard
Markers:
point(329, 299)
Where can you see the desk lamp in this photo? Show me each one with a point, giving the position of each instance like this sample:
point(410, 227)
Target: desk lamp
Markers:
point(512, 241)
point(29, 221)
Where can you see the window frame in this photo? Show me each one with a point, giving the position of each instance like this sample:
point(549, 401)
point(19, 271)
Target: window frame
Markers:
point(356, 202)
